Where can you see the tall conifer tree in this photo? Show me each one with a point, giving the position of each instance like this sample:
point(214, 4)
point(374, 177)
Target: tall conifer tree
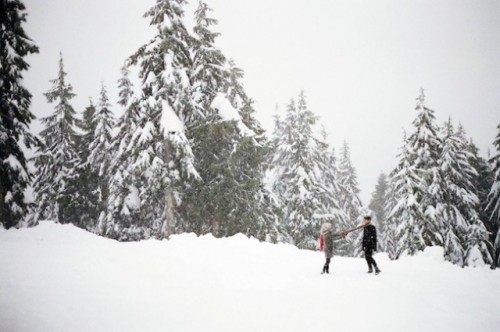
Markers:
point(493, 207)
point(123, 218)
point(100, 155)
point(85, 202)
point(391, 223)
point(457, 209)
point(349, 199)
point(377, 205)
point(298, 182)
point(159, 151)
point(57, 158)
point(15, 114)
point(405, 214)
point(229, 147)
point(482, 183)
point(425, 144)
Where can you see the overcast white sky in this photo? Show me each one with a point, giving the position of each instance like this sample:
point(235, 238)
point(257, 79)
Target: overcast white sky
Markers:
point(360, 63)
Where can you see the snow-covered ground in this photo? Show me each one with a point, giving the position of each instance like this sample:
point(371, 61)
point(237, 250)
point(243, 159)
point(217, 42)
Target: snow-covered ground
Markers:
point(60, 278)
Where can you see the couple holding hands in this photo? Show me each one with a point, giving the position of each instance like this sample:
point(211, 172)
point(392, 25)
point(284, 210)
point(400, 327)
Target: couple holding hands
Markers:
point(369, 243)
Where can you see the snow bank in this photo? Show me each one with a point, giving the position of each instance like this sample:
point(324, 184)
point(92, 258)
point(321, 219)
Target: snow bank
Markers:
point(60, 278)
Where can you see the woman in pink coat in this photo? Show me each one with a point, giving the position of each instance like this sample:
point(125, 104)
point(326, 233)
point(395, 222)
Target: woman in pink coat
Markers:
point(326, 239)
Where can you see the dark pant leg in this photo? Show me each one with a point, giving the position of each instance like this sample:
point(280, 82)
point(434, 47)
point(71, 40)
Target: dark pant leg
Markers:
point(326, 268)
point(369, 258)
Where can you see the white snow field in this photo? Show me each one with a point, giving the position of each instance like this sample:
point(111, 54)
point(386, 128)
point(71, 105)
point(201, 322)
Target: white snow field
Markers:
point(60, 278)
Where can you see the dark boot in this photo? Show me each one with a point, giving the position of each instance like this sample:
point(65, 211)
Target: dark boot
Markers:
point(328, 269)
point(370, 269)
point(324, 270)
point(377, 270)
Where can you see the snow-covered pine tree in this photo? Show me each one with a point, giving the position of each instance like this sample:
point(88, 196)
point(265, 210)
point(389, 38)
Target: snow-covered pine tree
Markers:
point(15, 116)
point(348, 179)
point(123, 202)
point(210, 73)
point(298, 180)
point(84, 203)
point(389, 237)
point(87, 128)
point(211, 137)
point(56, 159)
point(257, 210)
point(465, 235)
point(493, 207)
point(349, 199)
point(377, 205)
point(330, 199)
point(405, 216)
point(276, 136)
point(477, 250)
point(482, 183)
point(209, 205)
point(454, 225)
point(160, 152)
point(229, 148)
point(280, 156)
point(100, 153)
point(425, 146)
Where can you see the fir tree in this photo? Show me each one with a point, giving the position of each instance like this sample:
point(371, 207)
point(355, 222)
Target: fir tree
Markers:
point(230, 157)
point(298, 184)
point(405, 214)
point(229, 148)
point(87, 128)
point(282, 139)
point(391, 223)
point(209, 204)
point(477, 251)
point(209, 72)
point(349, 199)
point(330, 199)
point(493, 207)
point(212, 138)
point(454, 225)
point(15, 115)
point(425, 144)
point(85, 202)
point(159, 151)
point(482, 182)
point(377, 205)
point(93, 166)
point(57, 158)
point(100, 155)
point(123, 208)
point(466, 236)
point(417, 185)
point(348, 179)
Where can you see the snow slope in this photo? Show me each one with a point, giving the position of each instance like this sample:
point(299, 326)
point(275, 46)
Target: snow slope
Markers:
point(60, 278)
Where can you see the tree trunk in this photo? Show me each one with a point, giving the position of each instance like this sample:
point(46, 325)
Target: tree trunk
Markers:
point(168, 210)
point(215, 227)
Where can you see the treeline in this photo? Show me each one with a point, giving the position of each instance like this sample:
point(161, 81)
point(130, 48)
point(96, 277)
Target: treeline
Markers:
point(441, 193)
point(188, 155)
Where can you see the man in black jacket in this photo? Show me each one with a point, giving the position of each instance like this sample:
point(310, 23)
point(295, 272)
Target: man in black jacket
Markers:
point(370, 244)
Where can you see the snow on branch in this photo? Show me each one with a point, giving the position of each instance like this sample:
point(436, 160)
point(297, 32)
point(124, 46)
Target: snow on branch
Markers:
point(228, 113)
